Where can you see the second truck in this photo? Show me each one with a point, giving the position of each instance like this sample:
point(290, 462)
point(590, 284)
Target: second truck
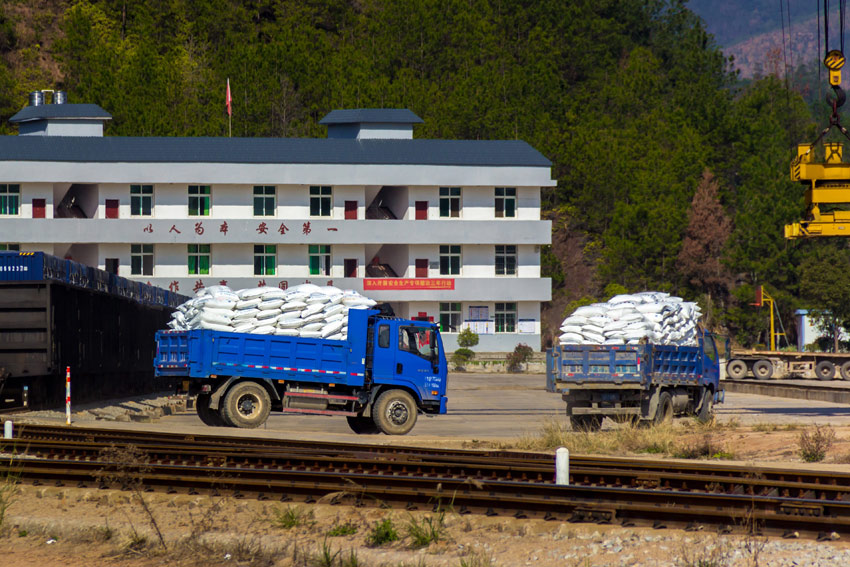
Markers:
point(635, 383)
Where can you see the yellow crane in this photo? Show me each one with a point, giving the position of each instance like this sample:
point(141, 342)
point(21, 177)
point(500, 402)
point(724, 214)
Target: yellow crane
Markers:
point(827, 182)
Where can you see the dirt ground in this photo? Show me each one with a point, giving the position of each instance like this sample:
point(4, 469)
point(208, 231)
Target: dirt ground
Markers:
point(83, 527)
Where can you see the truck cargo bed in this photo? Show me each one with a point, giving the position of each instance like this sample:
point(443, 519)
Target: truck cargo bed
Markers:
point(258, 356)
point(576, 366)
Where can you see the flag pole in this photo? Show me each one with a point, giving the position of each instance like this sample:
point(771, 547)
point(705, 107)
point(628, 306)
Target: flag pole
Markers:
point(227, 103)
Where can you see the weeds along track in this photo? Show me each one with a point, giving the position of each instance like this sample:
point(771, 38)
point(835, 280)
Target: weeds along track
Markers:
point(516, 484)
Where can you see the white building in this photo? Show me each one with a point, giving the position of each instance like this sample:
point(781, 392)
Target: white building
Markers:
point(442, 229)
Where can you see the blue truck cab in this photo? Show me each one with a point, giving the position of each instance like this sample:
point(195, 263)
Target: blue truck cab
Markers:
point(630, 383)
point(387, 372)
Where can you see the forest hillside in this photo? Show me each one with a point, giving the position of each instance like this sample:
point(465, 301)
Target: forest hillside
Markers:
point(672, 171)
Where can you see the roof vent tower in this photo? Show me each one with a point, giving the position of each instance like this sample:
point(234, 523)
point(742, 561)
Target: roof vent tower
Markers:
point(59, 118)
point(371, 123)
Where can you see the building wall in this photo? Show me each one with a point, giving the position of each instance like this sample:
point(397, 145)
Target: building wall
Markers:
point(397, 242)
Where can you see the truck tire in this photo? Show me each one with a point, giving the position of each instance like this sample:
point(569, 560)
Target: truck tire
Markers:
point(845, 371)
point(246, 405)
point(395, 412)
point(736, 369)
point(589, 423)
point(664, 411)
point(362, 425)
point(706, 410)
point(208, 416)
point(763, 369)
point(825, 370)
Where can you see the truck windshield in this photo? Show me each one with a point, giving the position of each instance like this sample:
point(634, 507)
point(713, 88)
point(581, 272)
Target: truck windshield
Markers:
point(417, 340)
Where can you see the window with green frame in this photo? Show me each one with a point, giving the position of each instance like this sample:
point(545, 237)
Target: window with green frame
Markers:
point(450, 317)
point(265, 259)
point(199, 200)
point(320, 201)
point(505, 317)
point(10, 247)
point(10, 198)
point(319, 256)
point(199, 259)
point(264, 197)
point(141, 200)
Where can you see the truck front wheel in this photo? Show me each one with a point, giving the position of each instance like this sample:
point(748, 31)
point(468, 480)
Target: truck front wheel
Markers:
point(362, 425)
point(395, 412)
point(584, 422)
point(706, 409)
point(208, 416)
point(246, 405)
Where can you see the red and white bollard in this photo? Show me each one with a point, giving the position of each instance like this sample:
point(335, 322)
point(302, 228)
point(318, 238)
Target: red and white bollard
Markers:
point(68, 395)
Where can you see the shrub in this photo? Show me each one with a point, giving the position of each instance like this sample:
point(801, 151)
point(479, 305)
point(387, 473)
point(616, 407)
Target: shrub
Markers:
point(383, 532)
point(462, 356)
point(521, 354)
point(815, 442)
point(466, 338)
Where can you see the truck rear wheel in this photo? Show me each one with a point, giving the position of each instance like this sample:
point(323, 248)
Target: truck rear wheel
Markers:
point(845, 371)
point(763, 369)
point(362, 425)
point(736, 369)
point(208, 416)
point(246, 405)
point(395, 412)
point(825, 370)
point(588, 423)
point(664, 411)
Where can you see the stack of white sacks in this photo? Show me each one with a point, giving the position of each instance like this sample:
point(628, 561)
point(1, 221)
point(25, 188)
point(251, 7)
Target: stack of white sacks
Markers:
point(649, 316)
point(302, 311)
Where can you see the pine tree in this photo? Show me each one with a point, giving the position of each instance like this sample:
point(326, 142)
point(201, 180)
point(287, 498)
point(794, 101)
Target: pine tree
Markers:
point(705, 238)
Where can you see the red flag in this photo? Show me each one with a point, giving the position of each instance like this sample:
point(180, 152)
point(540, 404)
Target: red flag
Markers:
point(228, 99)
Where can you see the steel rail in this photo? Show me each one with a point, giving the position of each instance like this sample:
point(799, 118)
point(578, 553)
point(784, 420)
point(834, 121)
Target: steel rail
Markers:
point(583, 472)
point(626, 506)
point(655, 472)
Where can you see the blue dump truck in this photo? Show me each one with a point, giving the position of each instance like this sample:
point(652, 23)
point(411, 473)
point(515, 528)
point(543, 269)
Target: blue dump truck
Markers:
point(380, 378)
point(639, 383)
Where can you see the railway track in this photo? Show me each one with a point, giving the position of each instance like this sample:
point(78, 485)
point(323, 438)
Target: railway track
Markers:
point(610, 490)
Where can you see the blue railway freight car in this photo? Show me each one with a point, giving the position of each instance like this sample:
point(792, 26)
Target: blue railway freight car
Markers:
point(56, 313)
point(644, 382)
point(380, 378)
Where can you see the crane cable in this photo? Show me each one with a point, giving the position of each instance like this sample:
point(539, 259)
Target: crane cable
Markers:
point(784, 47)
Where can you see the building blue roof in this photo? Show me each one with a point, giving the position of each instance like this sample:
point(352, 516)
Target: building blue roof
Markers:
point(61, 112)
point(269, 150)
point(371, 115)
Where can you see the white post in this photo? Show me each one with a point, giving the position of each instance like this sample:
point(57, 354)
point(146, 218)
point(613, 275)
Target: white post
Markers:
point(68, 395)
point(562, 466)
point(7, 429)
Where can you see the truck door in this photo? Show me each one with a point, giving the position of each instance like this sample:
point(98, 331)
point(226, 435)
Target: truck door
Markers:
point(710, 368)
point(417, 357)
